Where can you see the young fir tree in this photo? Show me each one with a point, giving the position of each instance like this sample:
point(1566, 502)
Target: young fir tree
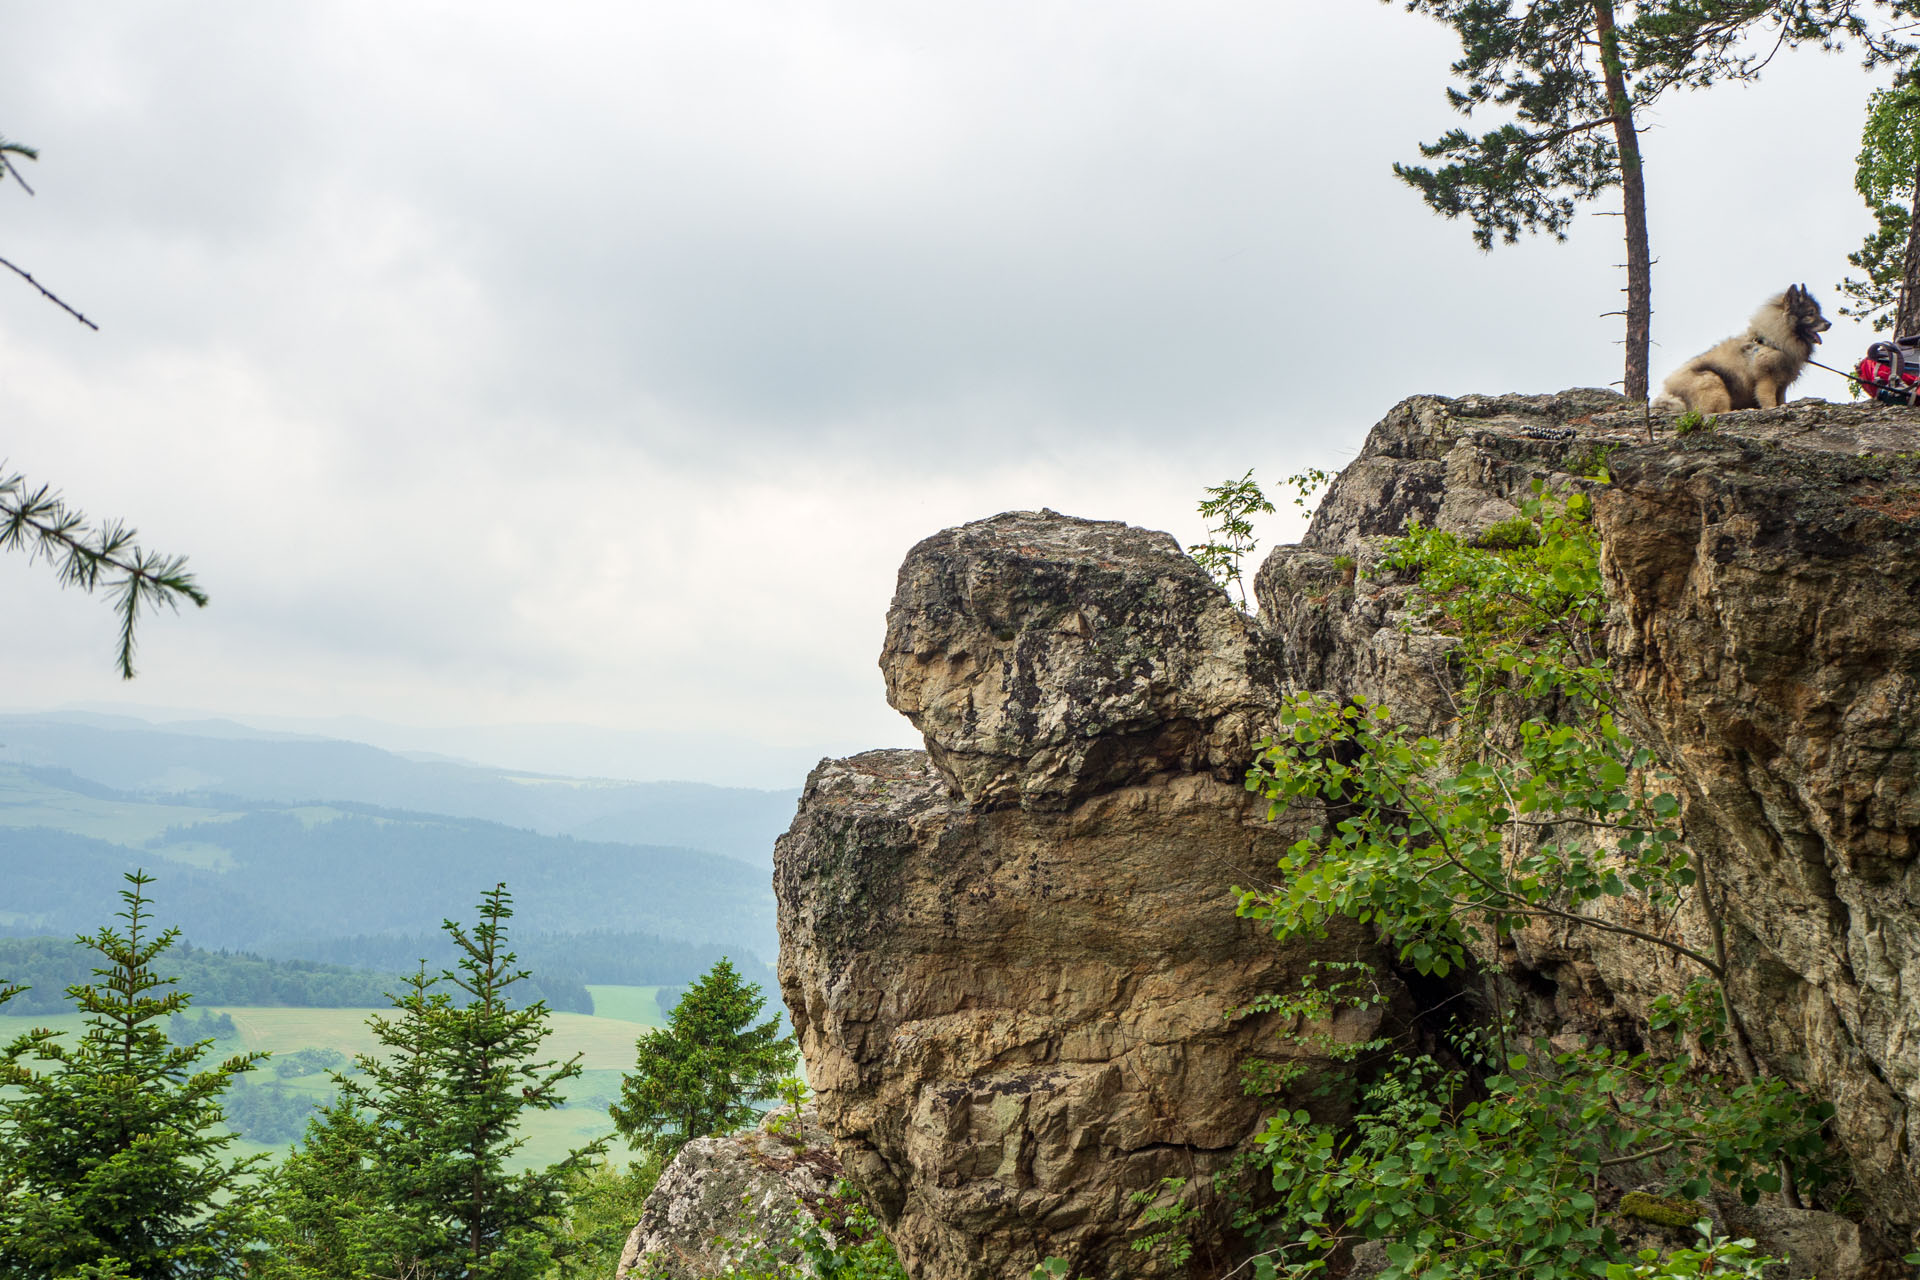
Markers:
point(703, 1072)
point(407, 1174)
point(1888, 179)
point(352, 1202)
point(1577, 76)
point(111, 1156)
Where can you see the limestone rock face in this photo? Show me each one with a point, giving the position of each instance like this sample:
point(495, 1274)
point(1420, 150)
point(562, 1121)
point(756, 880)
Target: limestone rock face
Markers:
point(1012, 960)
point(1462, 466)
point(1013, 1020)
point(1765, 579)
point(719, 1192)
point(1047, 658)
point(1766, 624)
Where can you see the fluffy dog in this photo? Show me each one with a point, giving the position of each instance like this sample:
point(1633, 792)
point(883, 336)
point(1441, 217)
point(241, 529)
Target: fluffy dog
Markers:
point(1753, 370)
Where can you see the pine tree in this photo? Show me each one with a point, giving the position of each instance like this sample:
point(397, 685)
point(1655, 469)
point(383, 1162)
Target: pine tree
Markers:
point(407, 1174)
point(485, 1058)
point(1576, 76)
point(703, 1072)
point(111, 1156)
point(1888, 179)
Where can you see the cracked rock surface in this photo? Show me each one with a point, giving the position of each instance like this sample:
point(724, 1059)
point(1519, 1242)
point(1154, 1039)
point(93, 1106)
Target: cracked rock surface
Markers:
point(1766, 626)
point(720, 1192)
point(1012, 959)
point(1764, 587)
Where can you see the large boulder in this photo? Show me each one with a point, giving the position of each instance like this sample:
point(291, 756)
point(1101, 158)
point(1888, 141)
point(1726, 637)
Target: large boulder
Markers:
point(1047, 658)
point(1014, 1021)
point(718, 1198)
point(1013, 960)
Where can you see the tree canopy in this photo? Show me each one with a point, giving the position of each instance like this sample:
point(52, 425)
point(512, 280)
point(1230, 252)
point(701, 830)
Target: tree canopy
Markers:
point(1888, 179)
point(702, 1073)
point(408, 1172)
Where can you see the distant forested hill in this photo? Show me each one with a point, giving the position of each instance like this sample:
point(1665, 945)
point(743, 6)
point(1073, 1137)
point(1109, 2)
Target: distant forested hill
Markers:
point(618, 959)
point(307, 848)
point(559, 971)
point(48, 966)
point(267, 878)
point(357, 873)
point(228, 760)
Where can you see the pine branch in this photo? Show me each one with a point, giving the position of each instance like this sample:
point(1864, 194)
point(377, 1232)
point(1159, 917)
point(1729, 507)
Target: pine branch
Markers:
point(47, 293)
point(9, 167)
point(7, 151)
point(40, 523)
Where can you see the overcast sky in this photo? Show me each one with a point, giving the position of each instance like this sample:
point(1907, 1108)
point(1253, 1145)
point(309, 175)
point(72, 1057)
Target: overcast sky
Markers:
point(596, 364)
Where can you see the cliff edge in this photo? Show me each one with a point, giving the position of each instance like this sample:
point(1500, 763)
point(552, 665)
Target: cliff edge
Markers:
point(1012, 958)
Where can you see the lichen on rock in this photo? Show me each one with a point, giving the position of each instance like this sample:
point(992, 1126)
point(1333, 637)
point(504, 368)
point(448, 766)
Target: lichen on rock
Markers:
point(1047, 658)
point(718, 1198)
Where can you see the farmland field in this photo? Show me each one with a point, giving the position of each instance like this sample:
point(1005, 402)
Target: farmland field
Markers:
point(28, 802)
point(604, 1043)
point(628, 1004)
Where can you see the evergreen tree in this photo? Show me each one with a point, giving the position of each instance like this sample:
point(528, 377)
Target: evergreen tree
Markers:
point(703, 1072)
point(1576, 76)
point(111, 1158)
point(406, 1175)
point(1888, 179)
point(333, 1218)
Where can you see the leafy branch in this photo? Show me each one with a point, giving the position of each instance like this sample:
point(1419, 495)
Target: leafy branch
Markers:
point(1470, 1159)
point(1228, 509)
point(93, 558)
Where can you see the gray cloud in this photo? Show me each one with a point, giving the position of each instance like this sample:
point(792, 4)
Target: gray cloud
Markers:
point(597, 363)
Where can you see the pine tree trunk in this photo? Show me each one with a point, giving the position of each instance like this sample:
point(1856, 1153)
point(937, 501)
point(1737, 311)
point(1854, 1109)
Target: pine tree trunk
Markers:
point(1906, 320)
point(1633, 199)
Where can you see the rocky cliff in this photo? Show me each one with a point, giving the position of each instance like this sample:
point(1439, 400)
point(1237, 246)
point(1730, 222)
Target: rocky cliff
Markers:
point(1012, 959)
point(1765, 622)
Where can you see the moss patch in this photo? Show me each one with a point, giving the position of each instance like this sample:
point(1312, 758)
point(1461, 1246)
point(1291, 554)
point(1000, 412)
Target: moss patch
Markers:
point(1660, 1210)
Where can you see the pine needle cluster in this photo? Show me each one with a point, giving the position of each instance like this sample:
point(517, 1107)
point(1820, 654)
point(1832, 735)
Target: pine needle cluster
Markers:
point(38, 521)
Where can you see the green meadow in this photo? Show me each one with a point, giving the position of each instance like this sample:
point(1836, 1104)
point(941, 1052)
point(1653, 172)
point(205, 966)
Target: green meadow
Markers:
point(604, 1041)
point(28, 802)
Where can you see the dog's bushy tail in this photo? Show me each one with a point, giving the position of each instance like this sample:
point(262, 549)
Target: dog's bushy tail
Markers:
point(1667, 402)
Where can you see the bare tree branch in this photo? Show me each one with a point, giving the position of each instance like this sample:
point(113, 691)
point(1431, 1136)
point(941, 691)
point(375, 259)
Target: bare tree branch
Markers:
point(47, 293)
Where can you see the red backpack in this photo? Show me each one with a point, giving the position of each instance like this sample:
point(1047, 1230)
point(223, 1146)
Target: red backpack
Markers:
point(1891, 371)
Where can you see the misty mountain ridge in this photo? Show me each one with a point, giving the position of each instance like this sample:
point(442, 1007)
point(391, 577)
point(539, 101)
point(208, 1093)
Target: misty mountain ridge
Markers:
point(282, 879)
point(305, 847)
point(215, 758)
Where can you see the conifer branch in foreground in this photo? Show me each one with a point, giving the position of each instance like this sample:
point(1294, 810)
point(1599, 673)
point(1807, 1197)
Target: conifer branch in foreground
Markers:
point(39, 522)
